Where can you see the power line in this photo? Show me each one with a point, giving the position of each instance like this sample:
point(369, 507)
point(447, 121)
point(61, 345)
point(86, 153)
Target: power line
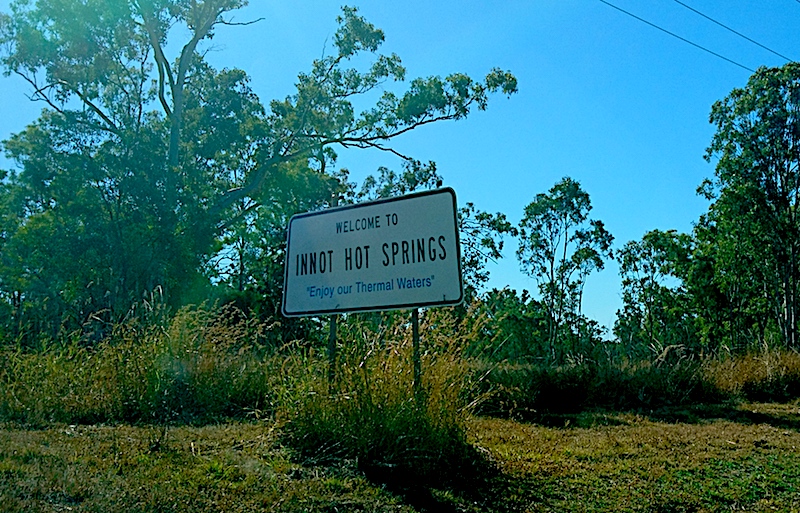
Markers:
point(735, 32)
point(715, 54)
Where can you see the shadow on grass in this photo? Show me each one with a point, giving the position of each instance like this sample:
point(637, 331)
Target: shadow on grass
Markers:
point(479, 486)
point(780, 416)
point(777, 415)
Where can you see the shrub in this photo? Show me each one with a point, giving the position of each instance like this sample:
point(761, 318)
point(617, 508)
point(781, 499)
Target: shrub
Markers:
point(373, 414)
point(528, 389)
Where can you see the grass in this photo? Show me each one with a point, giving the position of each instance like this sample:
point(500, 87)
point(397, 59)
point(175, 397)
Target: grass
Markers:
point(627, 462)
point(405, 438)
point(201, 412)
point(528, 390)
point(769, 375)
point(197, 368)
point(231, 467)
point(737, 458)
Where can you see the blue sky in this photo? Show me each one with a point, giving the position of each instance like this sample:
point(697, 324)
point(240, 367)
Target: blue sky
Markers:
point(603, 98)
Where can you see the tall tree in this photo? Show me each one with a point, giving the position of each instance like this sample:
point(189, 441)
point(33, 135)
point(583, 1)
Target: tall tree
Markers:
point(559, 246)
point(144, 166)
point(757, 189)
point(656, 311)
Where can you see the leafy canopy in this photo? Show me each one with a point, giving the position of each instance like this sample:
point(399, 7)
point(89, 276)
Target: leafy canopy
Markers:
point(155, 170)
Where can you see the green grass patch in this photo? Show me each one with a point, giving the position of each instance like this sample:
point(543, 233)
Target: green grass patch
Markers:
point(232, 467)
point(721, 461)
point(627, 462)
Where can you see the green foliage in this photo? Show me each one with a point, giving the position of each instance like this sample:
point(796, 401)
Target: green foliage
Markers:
point(159, 172)
point(751, 227)
point(559, 246)
point(657, 312)
point(732, 285)
point(516, 327)
point(480, 233)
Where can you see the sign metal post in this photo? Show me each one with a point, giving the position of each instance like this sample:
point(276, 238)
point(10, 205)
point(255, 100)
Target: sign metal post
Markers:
point(417, 361)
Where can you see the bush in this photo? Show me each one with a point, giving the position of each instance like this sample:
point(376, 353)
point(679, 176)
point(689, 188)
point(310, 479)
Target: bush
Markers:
point(373, 415)
point(528, 389)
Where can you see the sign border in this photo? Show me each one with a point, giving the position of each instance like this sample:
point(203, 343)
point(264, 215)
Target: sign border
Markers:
point(379, 308)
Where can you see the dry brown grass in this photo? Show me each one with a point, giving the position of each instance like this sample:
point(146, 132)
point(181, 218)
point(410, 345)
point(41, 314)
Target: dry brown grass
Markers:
point(770, 375)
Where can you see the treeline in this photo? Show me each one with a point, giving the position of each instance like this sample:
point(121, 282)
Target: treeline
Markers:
point(157, 180)
point(729, 286)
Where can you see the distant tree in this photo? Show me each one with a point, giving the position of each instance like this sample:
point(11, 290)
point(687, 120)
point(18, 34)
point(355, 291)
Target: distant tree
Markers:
point(515, 326)
point(754, 219)
point(151, 170)
point(656, 312)
point(559, 246)
point(728, 281)
point(415, 176)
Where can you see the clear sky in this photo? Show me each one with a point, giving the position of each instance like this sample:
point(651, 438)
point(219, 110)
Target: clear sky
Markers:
point(604, 98)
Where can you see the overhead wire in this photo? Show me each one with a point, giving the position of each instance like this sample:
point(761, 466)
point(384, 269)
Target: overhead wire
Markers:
point(715, 54)
point(709, 18)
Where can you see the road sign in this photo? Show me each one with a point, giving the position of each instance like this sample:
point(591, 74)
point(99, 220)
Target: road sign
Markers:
point(388, 254)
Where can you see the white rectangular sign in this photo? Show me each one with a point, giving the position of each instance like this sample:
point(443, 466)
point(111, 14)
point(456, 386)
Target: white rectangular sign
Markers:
point(395, 253)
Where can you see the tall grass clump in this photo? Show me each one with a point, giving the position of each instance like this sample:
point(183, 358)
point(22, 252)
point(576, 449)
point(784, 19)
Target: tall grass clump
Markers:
point(527, 389)
point(767, 375)
point(198, 366)
point(653, 383)
point(373, 415)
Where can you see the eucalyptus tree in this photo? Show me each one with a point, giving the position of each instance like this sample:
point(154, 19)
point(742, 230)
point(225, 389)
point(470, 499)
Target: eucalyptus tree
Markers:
point(656, 311)
point(559, 246)
point(756, 194)
point(145, 164)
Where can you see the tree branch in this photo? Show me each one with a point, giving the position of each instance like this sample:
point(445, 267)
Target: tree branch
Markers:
point(241, 23)
point(112, 126)
point(39, 95)
point(164, 70)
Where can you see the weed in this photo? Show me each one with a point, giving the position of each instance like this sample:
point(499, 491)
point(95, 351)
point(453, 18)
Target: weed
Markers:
point(197, 368)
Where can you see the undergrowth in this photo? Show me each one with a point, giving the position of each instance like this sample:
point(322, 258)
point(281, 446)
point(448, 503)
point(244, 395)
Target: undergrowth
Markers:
point(213, 365)
point(206, 365)
point(203, 365)
point(373, 414)
point(525, 390)
point(769, 375)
